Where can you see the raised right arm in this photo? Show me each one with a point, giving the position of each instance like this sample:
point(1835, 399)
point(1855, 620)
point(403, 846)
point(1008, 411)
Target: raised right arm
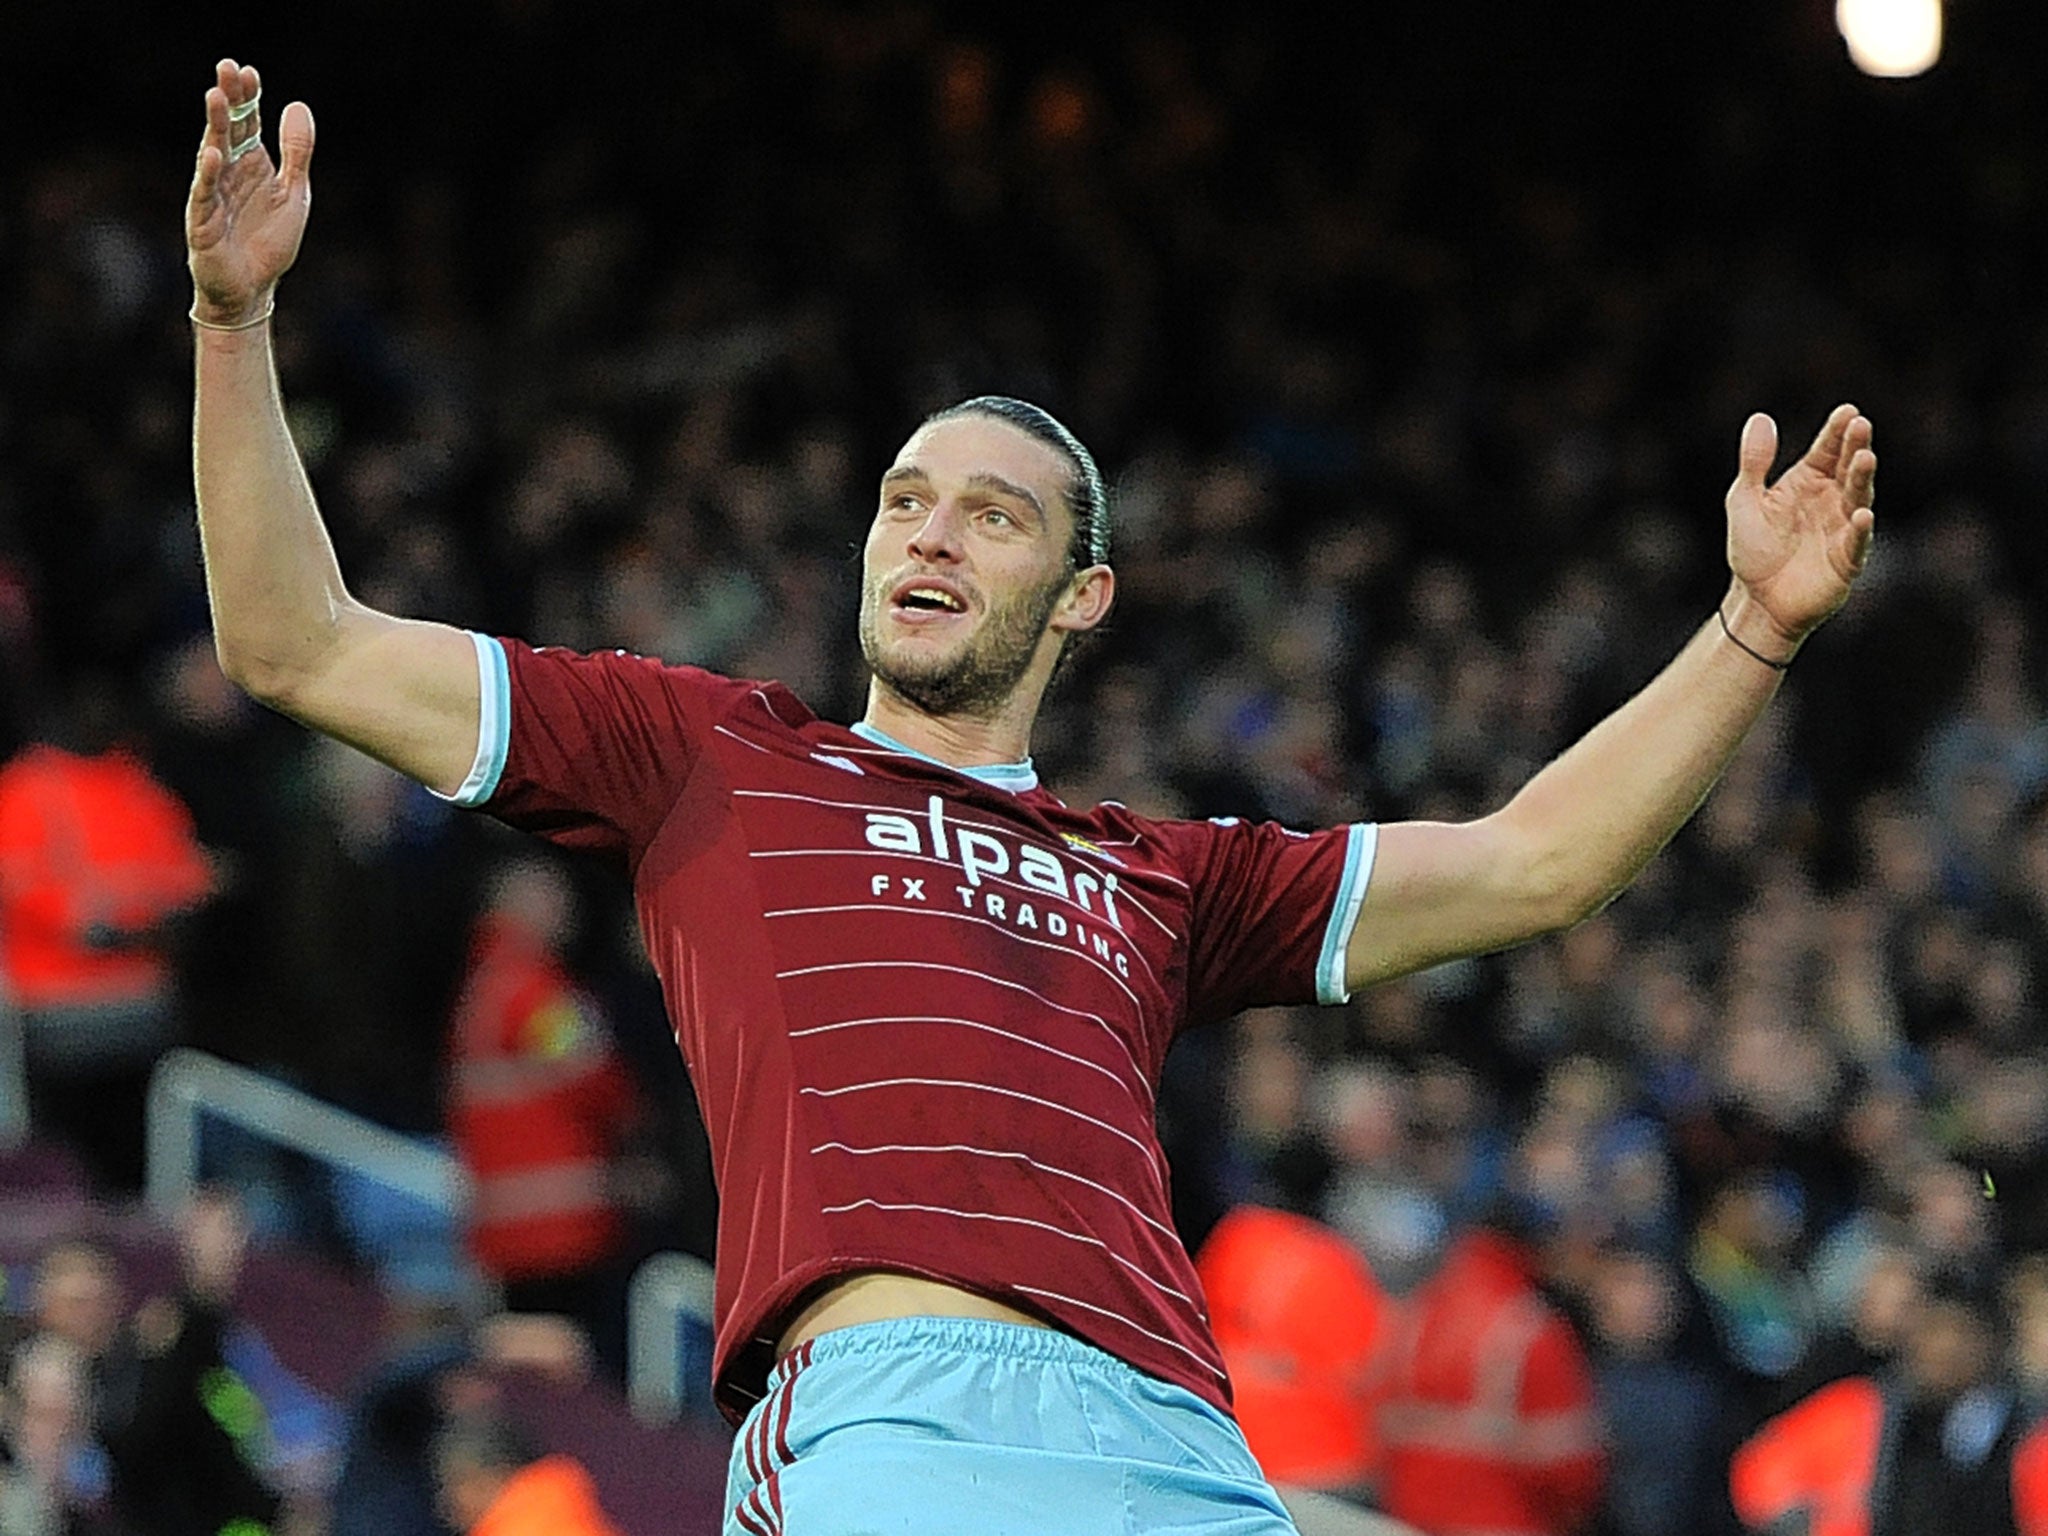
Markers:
point(284, 624)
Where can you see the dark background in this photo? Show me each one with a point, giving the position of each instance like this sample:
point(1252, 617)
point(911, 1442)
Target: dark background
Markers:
point(1416, 341)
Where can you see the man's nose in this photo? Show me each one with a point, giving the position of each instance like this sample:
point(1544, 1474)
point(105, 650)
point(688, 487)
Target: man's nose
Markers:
point(937, 538)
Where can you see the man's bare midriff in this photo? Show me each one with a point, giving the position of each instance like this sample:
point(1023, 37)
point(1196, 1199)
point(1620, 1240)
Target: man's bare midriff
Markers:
point(878, 1295)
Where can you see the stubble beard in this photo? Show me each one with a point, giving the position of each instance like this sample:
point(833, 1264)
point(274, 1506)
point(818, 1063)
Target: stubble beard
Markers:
point(976, 678)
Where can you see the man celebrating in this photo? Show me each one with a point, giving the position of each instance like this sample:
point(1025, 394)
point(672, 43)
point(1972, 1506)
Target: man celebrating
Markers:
point(924, 1003)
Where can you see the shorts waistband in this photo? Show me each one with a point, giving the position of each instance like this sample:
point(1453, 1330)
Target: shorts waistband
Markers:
point(986, 1337)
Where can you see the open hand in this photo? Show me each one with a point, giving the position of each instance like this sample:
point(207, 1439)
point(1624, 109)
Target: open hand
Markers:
point(246, 216)
point(1797, 547)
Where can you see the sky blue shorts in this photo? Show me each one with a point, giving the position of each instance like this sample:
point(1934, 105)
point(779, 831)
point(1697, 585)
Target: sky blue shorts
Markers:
point(941, 1426)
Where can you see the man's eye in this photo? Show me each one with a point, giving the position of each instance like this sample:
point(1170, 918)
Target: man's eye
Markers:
point(999, 517)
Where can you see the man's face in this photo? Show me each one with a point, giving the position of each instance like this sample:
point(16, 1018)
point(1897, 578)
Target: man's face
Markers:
point(78, 1298)
point(966, 564)
point(1948, 1350)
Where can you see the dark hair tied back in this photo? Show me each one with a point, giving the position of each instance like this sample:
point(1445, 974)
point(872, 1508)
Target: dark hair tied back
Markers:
point(1086, 493)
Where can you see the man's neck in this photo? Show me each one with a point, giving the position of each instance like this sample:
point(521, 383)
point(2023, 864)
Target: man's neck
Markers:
point(960, 741)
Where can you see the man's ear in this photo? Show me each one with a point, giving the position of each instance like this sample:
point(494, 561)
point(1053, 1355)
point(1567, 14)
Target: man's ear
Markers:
point(1087, 601)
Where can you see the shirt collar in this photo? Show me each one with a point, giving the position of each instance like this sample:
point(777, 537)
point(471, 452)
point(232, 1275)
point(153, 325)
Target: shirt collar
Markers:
point(1015, 777)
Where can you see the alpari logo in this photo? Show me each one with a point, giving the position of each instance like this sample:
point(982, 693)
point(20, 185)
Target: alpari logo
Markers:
point(983, 855)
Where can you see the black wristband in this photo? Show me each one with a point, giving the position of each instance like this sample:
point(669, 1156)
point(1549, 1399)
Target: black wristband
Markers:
point(1775, 666)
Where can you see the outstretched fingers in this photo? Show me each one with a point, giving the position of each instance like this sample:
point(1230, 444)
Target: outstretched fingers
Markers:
point(245, 113)
point(1858, 483)
point(1859, 464)
point(206, 174)
point(224, 124)
point(1825, 455)
point(234, 129)
point(213, 147)
point(1855, 540)
point(231, 87)
point(215, 134)
point(239, 83)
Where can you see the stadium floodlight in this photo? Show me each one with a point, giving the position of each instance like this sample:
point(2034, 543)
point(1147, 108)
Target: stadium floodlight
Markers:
point(1892, 39)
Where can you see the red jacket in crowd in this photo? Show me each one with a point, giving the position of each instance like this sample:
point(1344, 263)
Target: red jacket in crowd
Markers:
point(553, 1497)
point(1490, 1425)
point(537, 1102)
point(1820, 1457)
point(1302, 1325)
point(94, 855)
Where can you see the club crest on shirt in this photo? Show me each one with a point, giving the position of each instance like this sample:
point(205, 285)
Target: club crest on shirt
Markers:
point(1082, 845)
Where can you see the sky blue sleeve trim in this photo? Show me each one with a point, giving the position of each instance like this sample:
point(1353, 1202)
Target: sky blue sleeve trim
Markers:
point(493, 723)
point(1361, 843)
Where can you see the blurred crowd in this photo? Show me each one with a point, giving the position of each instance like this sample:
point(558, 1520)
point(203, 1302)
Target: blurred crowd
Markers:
point(1417, 375)
point(170, 1414)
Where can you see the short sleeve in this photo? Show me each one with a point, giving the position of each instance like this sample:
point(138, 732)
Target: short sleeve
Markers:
point(1272, 911)
point(590, 751)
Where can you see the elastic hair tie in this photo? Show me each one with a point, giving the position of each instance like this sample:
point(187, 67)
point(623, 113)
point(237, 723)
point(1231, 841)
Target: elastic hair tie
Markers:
point(1775, 666)
point(250, 324)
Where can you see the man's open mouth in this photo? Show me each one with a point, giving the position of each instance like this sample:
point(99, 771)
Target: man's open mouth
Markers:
point(928, 595)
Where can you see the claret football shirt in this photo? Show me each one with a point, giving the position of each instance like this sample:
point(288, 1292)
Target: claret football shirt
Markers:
point(924, 1008)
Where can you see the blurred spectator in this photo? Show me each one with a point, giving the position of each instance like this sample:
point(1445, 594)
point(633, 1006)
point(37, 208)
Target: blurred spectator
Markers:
point(437, 1369)
point(1953, 1219)
point(2026, 1300)
point(198, 1419)
point(1989, 757)
point(286, 1429)
point(96, 859)
point(76, 1294)
point(1741, 1259)
point(1941, 1445)
point(542, 1113)
point(1275, 1157)
point(1457, 1144)
point(1304, 1329)
point(228, 960)
point(1661, 1407)
point(1377, 1199)
point(1885, 1296)
point(53, 1477)
point(1489, 1419)
point(493, 1482)
point(375, 892)
point(188, 1436)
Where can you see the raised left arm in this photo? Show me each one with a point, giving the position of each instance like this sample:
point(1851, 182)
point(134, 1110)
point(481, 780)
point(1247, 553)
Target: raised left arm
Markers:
point(1579, 831)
